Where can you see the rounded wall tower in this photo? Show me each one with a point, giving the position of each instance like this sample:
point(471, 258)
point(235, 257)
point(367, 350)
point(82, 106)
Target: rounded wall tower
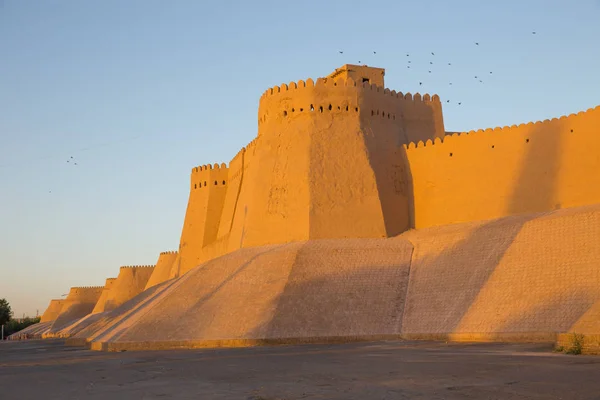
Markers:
point(329, 160)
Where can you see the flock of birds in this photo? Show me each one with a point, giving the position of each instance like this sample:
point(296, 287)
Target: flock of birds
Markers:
point(430, 69)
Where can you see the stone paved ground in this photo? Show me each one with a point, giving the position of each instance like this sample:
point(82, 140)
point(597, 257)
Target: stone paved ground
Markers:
point(383, 370)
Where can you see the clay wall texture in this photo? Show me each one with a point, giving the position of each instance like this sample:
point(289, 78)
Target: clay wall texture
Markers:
point(506, 171)
point(525, 274)
point(526, 277)
point(162, 270)
point(53, 310)
point(79, 302)
point(130, 282)
point(339, 287)
point(101, 303)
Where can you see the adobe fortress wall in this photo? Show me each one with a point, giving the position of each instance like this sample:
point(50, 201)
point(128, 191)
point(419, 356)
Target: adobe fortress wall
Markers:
point(130, 282)
point(328, 162)
point(492, 173)
point(53, 310)
point(99, 307)
point(162, 270)
point(79, 302)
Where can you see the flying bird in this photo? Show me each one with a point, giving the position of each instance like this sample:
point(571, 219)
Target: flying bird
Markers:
point(341, 52)
point(476, 43)
point(374, 52)
point(420, 83)
point(533, 32)
point(432, 53)
point(459, 104)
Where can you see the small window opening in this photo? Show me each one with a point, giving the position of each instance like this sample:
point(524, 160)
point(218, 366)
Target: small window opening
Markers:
point(365, 80)
point(302, 109)
point(346, 108)
point(356, 109)
point(526, 140)
point(339, 108)
point(204, 183)
point(195, 186)
point(312, 108)
point(216, 183)
point(493, 146)
point(321, 109)
point(293, 110)
point(223, 182)
point(285, 113)
point(372, 113)
point(571, 130)
point(450, 154)
point(330, 107)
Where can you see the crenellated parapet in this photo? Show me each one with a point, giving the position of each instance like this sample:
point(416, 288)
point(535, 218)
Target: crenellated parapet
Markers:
point(338, 98)
point(518, 132)
point(136, 266)
point(163, 253)
point(204, 176)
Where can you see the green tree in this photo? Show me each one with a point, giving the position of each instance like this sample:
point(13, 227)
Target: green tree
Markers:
point(5, 312)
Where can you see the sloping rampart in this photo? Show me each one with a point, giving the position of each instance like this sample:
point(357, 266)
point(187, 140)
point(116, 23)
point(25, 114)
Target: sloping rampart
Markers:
point(522, 277)
point(79, 302)
point(299, 290)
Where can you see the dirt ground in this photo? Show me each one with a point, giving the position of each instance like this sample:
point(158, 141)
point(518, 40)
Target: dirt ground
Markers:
point(383, 370)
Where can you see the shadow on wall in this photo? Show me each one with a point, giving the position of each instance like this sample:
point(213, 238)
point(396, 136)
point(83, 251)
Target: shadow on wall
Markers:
point(445, 285)
point(388, 160)
point(336, 289)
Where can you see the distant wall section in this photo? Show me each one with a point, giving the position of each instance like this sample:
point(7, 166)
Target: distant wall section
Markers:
point(79, 302)
point(53, 310)
point(130, 282)
point(162, 270)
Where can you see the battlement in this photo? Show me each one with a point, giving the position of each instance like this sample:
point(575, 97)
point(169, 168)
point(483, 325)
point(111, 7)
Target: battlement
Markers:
point(75, 288)
point(418, 114)
point(208, 175)
point(137, 266)
point(489, 132)
point(167, 252)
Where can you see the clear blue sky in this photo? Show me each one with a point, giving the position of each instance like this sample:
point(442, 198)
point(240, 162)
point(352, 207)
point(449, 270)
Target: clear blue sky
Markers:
point(139, 92)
